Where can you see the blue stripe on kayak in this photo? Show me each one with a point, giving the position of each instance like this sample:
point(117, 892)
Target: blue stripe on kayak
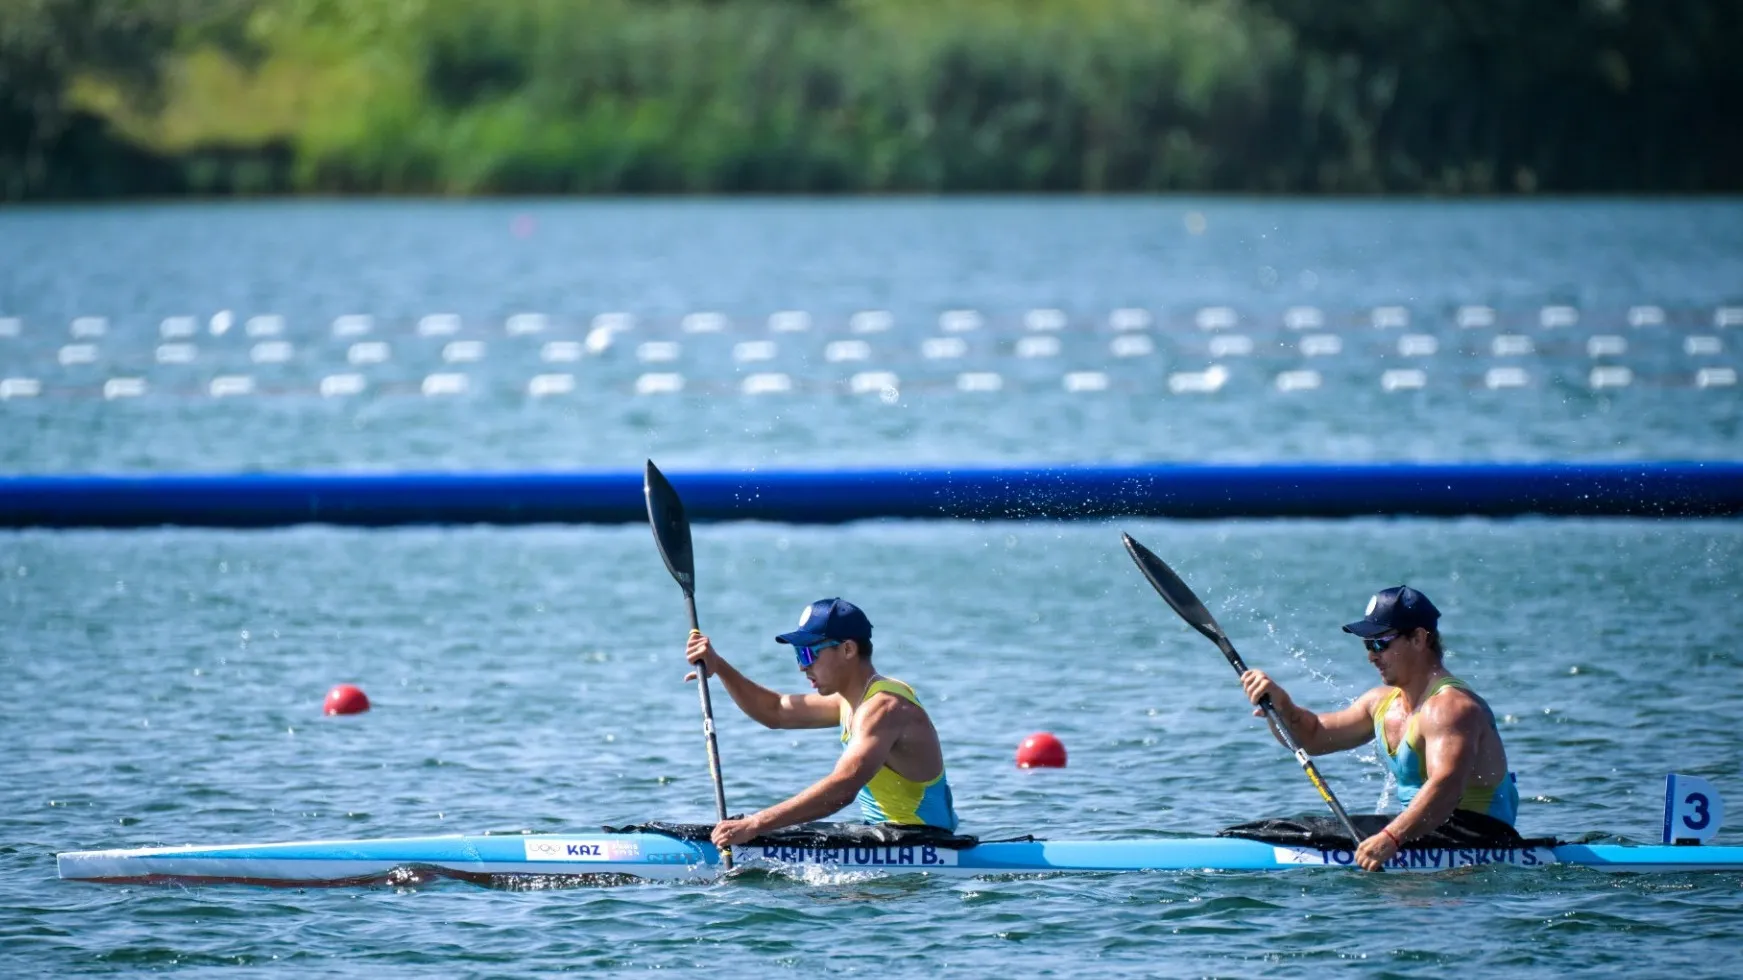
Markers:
point(455, 849)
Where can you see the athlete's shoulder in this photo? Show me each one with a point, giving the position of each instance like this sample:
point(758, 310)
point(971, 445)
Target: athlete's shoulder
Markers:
point(1373, 697)
point(1454, 707)
point(883, 683)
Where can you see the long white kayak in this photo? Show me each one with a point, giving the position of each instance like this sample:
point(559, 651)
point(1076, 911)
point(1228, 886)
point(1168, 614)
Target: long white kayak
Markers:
point(656, 856)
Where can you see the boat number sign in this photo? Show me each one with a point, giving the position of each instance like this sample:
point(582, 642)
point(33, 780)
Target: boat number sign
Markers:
point(1692, 809)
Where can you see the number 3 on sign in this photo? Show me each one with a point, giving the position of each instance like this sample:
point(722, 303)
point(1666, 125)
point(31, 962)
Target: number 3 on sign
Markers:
point(1692, 809)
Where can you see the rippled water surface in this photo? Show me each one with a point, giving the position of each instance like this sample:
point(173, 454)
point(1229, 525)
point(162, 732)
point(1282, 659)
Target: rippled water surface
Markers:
point(167, 689)
point(165, 686)
point(539, 334)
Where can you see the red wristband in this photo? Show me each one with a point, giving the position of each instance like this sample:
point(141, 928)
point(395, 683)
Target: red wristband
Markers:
point(1395, 841)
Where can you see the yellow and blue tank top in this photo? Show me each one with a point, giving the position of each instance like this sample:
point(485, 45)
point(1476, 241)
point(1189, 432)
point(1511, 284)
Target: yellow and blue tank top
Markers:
point(891, 797)
point(1500, 801)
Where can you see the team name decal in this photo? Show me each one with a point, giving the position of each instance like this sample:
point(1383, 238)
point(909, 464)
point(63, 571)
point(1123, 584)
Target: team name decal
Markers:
point(556, 849)
point(1424, 858)
point(920, 856)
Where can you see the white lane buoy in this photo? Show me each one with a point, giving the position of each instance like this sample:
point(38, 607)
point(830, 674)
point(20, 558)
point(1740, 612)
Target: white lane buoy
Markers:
point(337, 385)
point(659, 384)
point(1085, 381)
point(1475, 317)
point(445, 384)
point(543, 385)
point(1297, 381)
point(870, 321)
point(980, 381)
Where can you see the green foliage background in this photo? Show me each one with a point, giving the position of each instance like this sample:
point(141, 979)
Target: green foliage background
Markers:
point(109, 97)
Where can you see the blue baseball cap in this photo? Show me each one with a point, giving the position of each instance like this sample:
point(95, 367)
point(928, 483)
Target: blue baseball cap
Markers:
point(1398, 609)
point(828, 619)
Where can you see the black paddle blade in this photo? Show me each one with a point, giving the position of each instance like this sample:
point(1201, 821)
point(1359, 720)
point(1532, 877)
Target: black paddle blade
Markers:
point(1174, 590)
point(1190, 609)
point(671, 528)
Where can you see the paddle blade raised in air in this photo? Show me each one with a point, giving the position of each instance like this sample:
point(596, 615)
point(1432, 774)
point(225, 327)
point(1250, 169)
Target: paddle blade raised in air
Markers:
point(671, 527)
point(1174, 591)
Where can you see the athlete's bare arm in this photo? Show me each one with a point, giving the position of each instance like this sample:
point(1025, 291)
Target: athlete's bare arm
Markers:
point(1452, 726)
point(878, 727)
point(1318, 734)
point(766, 707)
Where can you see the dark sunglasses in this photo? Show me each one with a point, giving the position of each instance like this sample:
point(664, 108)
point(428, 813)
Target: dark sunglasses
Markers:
point(1379, 643)
point(808, 655)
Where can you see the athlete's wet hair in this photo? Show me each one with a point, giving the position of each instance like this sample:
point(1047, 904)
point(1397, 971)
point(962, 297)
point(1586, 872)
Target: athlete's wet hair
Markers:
point(1434, 643)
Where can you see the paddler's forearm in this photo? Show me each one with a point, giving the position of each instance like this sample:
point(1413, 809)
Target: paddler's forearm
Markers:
point(1303, 725)
point(1434, 805)
point(761, 704)
point(815, 802)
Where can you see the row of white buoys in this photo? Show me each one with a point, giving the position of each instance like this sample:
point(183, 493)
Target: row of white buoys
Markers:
point(1208, 381)
point(1045, 320)
point(932, 348)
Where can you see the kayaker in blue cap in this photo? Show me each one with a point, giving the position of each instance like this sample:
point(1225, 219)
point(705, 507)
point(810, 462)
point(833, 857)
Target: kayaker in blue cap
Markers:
point(891, 760)
point(1432, 731)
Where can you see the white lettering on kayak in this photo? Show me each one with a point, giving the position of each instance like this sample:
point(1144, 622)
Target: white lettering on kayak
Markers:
point(907, 856)
point(581, 849)
point(1422, 858)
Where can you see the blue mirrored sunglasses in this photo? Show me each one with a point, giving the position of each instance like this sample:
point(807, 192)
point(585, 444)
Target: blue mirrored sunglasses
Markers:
point(1379, 643)
point(808, 655)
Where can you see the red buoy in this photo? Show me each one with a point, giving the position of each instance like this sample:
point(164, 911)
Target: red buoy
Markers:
point(347, 699)
point(1041, 751)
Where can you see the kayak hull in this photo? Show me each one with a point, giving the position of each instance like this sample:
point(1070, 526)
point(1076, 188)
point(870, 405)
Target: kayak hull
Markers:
point(656, 856)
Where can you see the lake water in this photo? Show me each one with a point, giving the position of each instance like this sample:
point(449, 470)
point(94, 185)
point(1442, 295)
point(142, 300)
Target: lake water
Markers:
point(165, 685)
point(470, 335)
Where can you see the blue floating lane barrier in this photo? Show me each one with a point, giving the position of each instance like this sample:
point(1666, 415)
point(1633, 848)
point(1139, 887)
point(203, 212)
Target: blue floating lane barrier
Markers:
point(1184, 490)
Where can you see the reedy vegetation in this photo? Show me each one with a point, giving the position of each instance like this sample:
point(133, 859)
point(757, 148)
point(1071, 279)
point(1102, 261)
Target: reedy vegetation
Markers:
point(612, 96)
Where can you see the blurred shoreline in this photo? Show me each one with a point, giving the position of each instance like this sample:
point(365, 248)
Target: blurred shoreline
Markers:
point(198, 99)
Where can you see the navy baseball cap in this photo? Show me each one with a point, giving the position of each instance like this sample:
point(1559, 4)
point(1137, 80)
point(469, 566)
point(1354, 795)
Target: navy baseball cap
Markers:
point(1398, 609)
point(828, 619)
